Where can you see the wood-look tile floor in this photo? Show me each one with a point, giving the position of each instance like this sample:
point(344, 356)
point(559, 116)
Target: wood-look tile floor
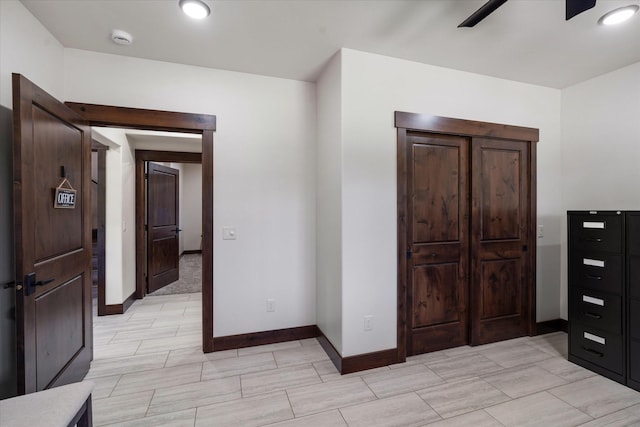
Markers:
point(149, 370)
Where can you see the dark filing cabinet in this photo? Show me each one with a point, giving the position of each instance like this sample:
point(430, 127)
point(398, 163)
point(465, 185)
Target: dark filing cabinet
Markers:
point(604, 293)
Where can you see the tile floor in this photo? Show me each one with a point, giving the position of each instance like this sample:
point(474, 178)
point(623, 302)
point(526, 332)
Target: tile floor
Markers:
point(149, 371)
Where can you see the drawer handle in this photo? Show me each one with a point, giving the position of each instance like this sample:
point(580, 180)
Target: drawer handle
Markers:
point(594, 239)
point(593, 316)
point(594, 352)
point(591, 276)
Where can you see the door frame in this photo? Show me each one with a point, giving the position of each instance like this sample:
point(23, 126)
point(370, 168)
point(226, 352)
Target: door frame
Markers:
point(407, 122)
point(201, 124)
point(141, 157)
point(101, 150)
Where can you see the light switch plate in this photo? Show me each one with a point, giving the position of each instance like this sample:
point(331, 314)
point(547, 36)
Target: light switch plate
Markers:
point(229, 233)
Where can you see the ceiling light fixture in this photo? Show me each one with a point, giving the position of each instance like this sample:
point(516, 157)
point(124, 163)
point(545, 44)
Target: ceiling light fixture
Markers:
point(618, 16)
point(121, 37)
point(195, 9)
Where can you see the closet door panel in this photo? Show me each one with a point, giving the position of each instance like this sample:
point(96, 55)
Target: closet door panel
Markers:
point(499, 240)
point(438, 242)
point(498, 295)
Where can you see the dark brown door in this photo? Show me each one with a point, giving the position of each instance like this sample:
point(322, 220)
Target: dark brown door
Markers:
point(52, 245)
point(162, 226)
point(500, 235)
point(438, 239)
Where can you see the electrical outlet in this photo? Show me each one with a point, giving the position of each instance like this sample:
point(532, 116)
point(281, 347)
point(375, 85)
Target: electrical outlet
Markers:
point(540, 230)
point(271, 305)
point(368, 323)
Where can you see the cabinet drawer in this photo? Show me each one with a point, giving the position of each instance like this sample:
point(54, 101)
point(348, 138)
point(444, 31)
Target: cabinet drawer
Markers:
point(596, 271)
point(633, 233)
point(634, 277)
point(596, 232)
point(598, 347)
point(634, 319)
point(598, 310)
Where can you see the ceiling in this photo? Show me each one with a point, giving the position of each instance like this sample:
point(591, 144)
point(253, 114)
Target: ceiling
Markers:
point(524, 40)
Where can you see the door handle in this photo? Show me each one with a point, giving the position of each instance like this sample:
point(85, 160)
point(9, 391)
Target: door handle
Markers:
point(178, 230)
point(30, 283)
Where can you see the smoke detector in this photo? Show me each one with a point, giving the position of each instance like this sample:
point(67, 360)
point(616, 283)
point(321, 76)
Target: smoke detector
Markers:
point(121, 37)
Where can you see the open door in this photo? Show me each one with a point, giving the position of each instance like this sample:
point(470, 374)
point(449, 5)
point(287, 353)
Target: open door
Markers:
point(52, 149)
point(162, 226)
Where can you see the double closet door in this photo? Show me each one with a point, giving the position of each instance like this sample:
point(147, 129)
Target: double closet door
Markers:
point(468, 233)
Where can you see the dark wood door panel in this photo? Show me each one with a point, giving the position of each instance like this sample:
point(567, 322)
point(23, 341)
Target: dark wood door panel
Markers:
point(56, 145)
point(435, 296)
point(436, 201)
point(163, 255)
point(500, 194)
point(60, 326)
point(162, 223)
point(53, 319)
point(438, 242)
point(500, 288)
point(500, 225)
point(439, 337)
point(163, 197)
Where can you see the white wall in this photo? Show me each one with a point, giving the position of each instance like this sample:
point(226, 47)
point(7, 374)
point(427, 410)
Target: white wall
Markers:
point(26, 47)
point(329, 203)
point(29, 49)
point(120, 243)
point(264, 176)
point(600, 148)
point(191, 189)
point(373, 87)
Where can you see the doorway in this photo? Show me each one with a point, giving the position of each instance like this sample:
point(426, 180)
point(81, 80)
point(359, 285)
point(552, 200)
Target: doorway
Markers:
point(98, 234)
point(202, 124)
point(144, 279)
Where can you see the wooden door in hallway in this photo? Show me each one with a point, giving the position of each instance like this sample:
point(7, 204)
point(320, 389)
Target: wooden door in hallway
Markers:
point(162, 226)
point(438, 257)
point(52, 241)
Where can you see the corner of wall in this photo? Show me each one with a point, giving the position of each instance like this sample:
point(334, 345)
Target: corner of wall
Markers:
point(329, 308)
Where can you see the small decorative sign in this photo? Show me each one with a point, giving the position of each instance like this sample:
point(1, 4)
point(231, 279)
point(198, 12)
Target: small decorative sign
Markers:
point(64, 195)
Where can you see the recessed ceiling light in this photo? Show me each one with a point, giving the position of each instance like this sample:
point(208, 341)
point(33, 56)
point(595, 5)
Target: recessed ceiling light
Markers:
point(619, 15)
point(195, 9)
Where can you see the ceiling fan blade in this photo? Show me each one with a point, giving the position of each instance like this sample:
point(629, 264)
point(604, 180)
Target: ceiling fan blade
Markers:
point(486, 10)
point(576, 7)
